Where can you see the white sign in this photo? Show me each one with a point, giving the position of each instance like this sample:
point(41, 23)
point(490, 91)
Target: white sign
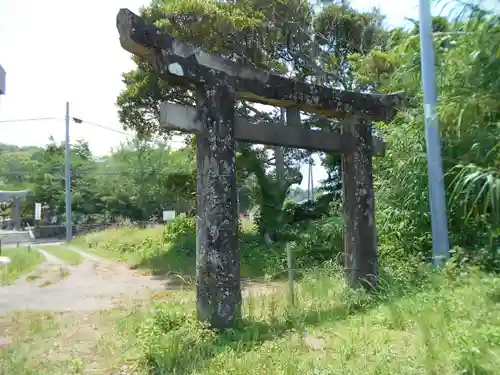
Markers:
point(168, 215)
point(38, 211)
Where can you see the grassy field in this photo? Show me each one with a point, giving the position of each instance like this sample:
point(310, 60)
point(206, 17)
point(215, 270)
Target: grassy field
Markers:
point(69, 257)
point(112, 243)
point(149, 251)
point(448, 325)
point(22, 262)
point(142, 249)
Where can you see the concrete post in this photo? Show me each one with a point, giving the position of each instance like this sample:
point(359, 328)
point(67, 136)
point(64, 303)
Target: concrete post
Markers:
point(16, 213)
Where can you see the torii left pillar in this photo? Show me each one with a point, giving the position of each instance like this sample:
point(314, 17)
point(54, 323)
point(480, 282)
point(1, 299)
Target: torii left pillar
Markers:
point(218, 260)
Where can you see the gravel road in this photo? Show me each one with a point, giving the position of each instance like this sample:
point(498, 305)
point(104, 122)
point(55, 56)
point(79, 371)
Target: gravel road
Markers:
point(93, 285)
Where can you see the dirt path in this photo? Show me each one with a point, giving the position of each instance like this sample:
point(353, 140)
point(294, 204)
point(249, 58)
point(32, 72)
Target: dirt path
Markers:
point(95, 284)
point(49, 258)
point(88, 256)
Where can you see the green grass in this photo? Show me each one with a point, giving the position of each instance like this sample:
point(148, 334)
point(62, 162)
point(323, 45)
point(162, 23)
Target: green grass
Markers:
point(61, 273)
point(142, 249)
point(446, 327)
point(148, 251)
point(113, 243)
point(22, 262)
point(69, 257)
point(49, 343)
point(448, 324)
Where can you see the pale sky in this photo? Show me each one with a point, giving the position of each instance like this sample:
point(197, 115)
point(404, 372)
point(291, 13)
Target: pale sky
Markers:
point(65, 50)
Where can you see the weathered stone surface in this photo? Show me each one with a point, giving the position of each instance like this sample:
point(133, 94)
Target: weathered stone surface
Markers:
point(10, 196)
point(178, 117)
point(293, 116)
point(217, 254)
point(360, 243)
point(182, 63)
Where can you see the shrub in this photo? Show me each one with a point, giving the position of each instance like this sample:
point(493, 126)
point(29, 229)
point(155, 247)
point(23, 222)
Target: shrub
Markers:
point(181, 234)
point(295, 213)
point(170, 337)
point(321, 241)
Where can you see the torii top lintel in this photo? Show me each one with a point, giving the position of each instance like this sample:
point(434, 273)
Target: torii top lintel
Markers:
point(183, 63)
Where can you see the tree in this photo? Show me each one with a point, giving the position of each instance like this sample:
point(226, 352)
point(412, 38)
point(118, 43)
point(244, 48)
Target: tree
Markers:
point(137, 181)
point(344, 37)
point(48, 179)
point(279, 35)
point(468, 87)
point(143, 178)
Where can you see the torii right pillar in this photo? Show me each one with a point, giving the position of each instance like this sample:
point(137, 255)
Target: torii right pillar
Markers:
point(360, 239)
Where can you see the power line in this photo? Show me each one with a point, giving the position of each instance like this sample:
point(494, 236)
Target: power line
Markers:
point(30, 119)
point(78, 120)
point(75, 119)
point(33, 174)
point(81, 121)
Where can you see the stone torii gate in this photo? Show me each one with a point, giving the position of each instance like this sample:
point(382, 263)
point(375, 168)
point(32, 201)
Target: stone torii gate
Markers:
point(218, 83)
point(15, 197)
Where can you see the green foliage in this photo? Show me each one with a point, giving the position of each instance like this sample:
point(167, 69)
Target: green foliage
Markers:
point(276, 35)
point(468, 117)
point(295, 213)
point(22, 262)
point(172, 248)
point(332, 184)
point(439, 25)
point(49, 178)
point(173, 328)
point(181, 233)
point(143, 179)
point(320, 241)
point(136, 182)
point(17, 165)
point(409, 326)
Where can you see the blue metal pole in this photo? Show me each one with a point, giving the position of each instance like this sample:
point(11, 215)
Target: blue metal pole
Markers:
point(440, 241)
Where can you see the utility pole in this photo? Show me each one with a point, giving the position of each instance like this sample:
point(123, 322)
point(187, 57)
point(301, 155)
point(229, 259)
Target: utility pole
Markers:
point(2, 80)
point(69, 228)
point(440, 241)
